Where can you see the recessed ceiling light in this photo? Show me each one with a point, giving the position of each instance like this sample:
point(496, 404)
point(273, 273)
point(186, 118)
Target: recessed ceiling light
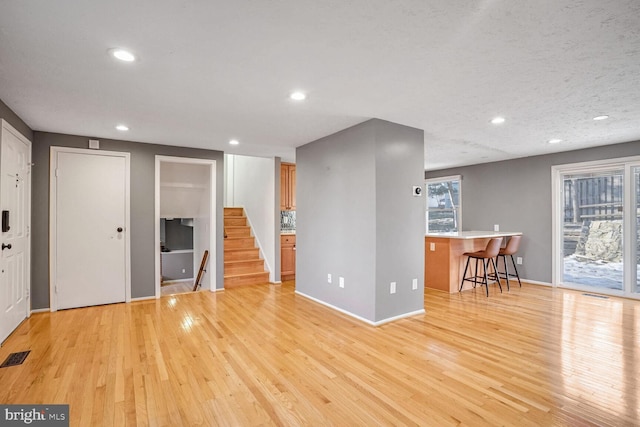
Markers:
point(234, 142)
point(554, 141)
point(603, 117)
point(123, 55)
point(122, 128)
point(298, 96)
point(497, 120)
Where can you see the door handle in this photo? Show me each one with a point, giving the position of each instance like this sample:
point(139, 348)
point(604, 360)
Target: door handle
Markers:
point(119, 230)
point(6, 246)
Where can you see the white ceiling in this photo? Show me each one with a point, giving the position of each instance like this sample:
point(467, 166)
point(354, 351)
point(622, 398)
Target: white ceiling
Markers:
point(209, 71)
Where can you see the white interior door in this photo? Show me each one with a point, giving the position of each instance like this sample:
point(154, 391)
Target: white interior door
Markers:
point(90, 213)
point(15, 201)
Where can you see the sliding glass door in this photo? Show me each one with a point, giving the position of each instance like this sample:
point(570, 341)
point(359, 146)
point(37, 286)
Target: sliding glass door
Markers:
point(593, 228)
point(597, 227)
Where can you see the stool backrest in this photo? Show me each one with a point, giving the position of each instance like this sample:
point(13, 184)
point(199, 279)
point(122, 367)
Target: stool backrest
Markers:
point(493, 247)
point(512, 245)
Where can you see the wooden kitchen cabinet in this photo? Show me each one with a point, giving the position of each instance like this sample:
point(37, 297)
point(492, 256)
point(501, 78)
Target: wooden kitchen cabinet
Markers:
point(287, 187)
point(287, 257)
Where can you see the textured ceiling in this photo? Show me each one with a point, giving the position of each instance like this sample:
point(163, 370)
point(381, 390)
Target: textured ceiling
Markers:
point(209, 71)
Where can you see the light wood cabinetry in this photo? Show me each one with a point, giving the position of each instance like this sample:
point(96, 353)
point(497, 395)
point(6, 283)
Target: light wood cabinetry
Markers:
point(287, 257)
point(288, 187)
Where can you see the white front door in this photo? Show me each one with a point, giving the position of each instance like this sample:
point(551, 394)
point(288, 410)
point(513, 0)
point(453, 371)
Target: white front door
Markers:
point(89, 215)
point(15, 201)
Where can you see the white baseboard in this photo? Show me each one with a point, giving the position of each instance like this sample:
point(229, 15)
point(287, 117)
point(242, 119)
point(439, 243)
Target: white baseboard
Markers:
point(143, 298)
point(41, 310)
point(355, 316)
point(535, 282)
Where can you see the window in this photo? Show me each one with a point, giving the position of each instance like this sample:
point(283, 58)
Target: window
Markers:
point(443, 204)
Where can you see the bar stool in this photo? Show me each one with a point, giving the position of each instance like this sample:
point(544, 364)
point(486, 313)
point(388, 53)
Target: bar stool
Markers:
point(487, 256)
point(511, 248)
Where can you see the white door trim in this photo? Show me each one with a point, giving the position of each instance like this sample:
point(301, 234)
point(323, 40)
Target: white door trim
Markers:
point(212, 265)
point(53, 302)
point(6, 127)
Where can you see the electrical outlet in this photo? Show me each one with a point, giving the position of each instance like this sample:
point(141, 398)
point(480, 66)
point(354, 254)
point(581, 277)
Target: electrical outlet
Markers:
point(342, 282)
point(414, 284)
point(392, 288)
point(328, 278)
point(184, 270)
point(432, 246)
point(496, 227)
point(519, 260)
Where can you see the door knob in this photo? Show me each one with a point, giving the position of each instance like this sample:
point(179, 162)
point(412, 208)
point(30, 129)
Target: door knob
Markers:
point(6, 246)
point(119, 229)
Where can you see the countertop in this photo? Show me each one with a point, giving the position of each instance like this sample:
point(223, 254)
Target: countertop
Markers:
point(288, 232)
point(474, 234)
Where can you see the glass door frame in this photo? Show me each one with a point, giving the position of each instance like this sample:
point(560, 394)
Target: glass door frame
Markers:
point(630, 288)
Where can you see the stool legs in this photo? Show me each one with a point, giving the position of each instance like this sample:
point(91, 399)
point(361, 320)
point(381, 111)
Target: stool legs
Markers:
point(486, 262)
point(506, 275)
point(495, 270)
point(466, 267)
point(515, 269)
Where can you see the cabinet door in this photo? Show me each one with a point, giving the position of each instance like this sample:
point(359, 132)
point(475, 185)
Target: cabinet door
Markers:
point(284, 187)
point(288, 257)
point(288, 261)
point(287, 187)
point(292, 187)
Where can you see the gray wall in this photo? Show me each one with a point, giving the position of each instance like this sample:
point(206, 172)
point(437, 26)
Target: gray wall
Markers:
point(15, 121)
point(142, 209)
point(356, 219)
point(400, 225)
point(174, 262)
point(516, 194)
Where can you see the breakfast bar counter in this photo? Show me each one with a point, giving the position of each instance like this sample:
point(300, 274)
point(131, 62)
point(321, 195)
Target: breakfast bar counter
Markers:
point(443, 260)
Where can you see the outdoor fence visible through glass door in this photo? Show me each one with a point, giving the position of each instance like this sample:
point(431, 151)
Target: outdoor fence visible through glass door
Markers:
point(593, 229)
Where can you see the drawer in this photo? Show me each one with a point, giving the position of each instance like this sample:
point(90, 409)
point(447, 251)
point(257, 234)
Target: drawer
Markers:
point(289, 239)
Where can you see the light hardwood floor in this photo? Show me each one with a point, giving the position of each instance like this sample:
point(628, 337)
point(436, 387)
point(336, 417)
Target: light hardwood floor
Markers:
point(263, 356)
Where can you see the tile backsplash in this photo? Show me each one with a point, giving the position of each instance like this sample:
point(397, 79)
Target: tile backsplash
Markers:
point(288, 220)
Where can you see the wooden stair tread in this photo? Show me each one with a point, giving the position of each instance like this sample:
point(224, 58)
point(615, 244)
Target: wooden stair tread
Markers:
point(238, 275)
point(232, 211)
point(240, 261)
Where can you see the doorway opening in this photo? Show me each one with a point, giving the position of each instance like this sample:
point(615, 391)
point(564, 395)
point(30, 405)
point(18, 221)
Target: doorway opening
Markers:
point(184, 224)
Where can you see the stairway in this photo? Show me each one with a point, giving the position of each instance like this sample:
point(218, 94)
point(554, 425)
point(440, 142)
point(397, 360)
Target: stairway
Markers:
point(242, 263)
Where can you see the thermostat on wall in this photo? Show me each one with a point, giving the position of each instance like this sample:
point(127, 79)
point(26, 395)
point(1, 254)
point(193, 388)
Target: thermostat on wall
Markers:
point(417, 190)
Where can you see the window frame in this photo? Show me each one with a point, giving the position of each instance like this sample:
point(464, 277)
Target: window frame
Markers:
point(457, 208)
